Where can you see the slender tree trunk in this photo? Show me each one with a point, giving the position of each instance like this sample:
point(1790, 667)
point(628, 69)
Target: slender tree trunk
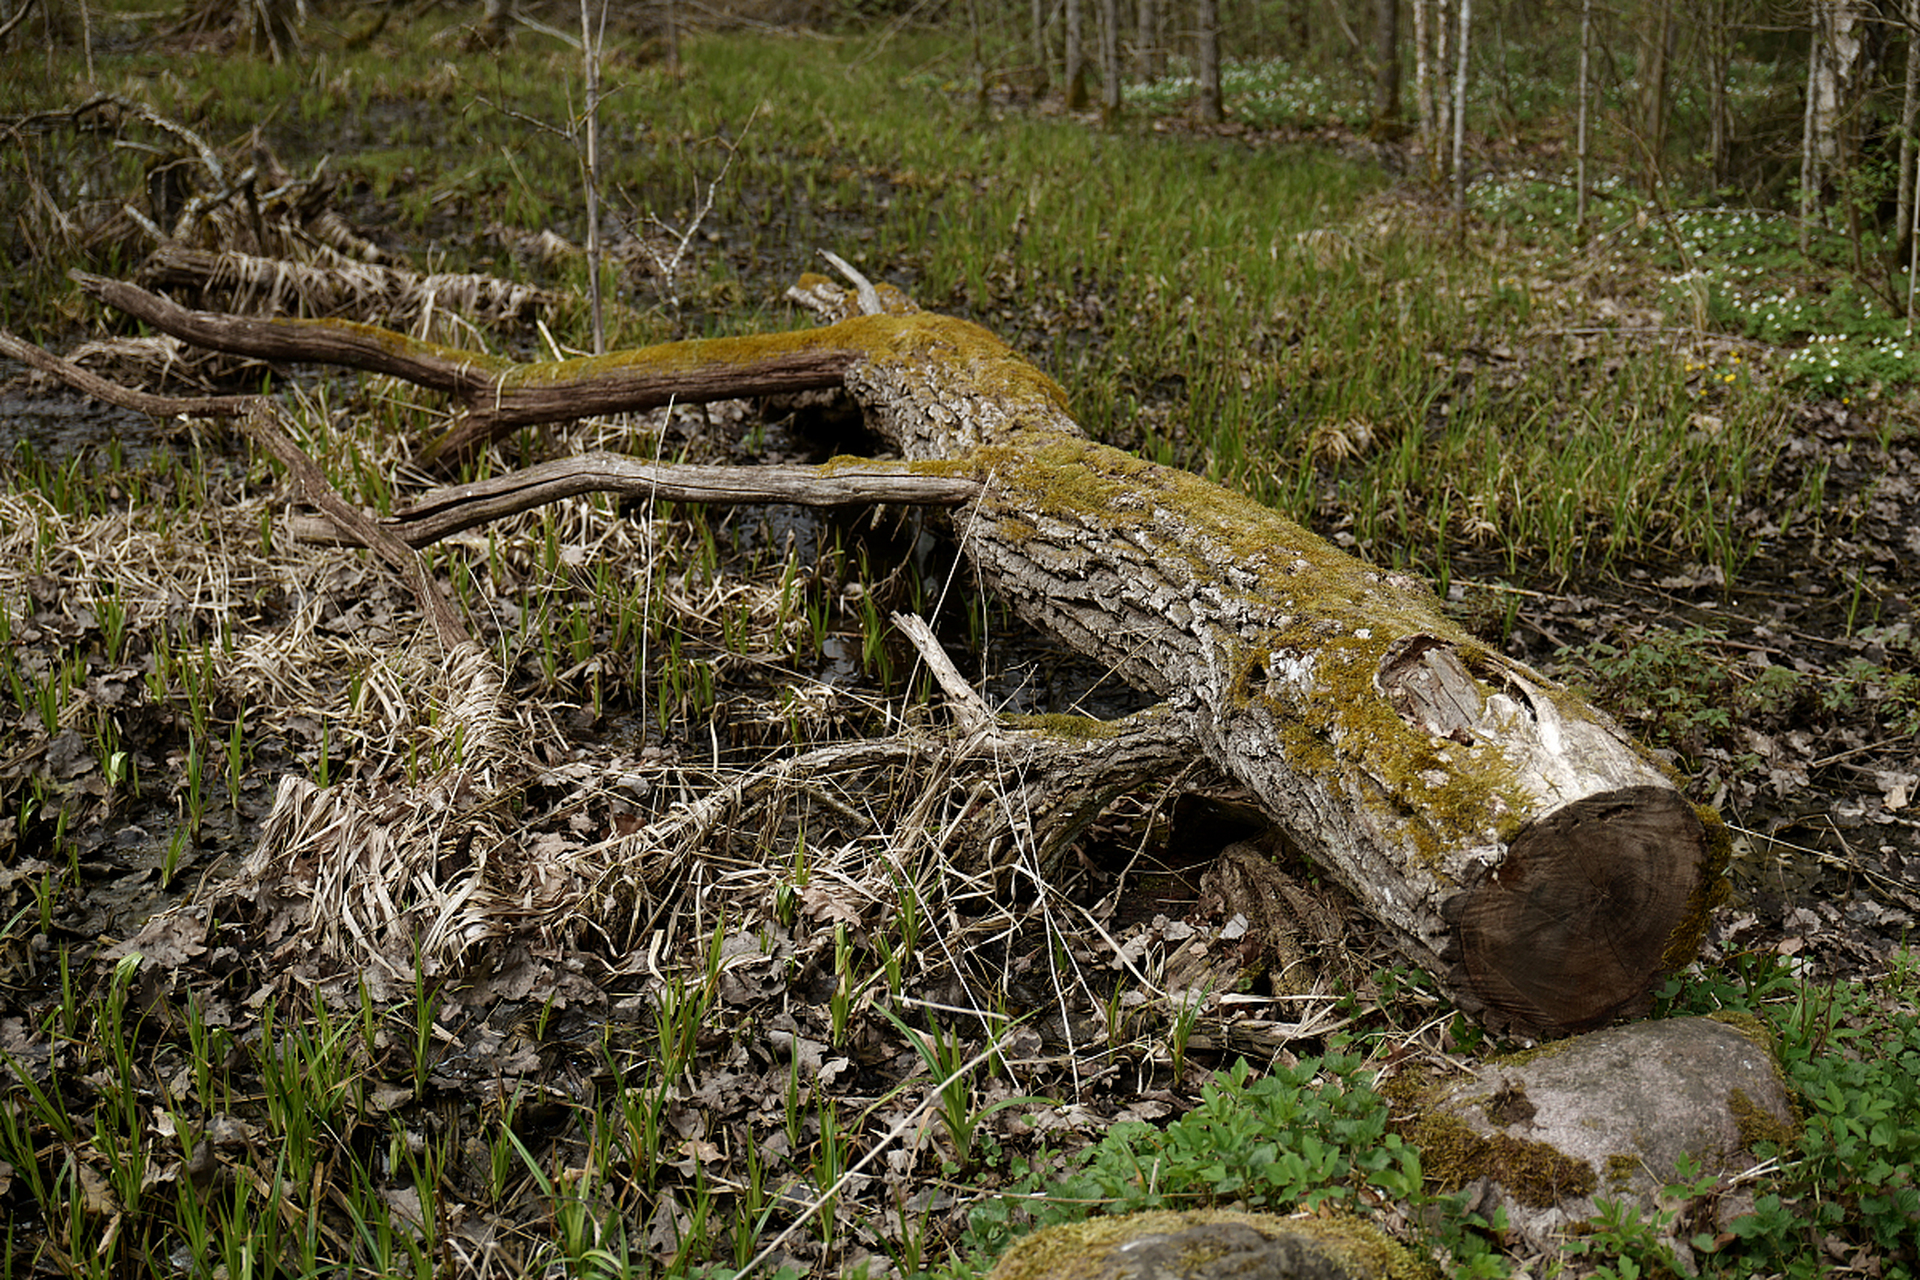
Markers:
point(1147, 54)
point(979, 68)
point(1386, 70)
point(590, 165)
point(1076, 84)
point(1836, 68)
point(1913, 252)
point(1110, 58)
point(1460, 117)
point(273, 25)
point(1040, 59)
point(1909, 117)
point(1445, 15)
point(1580, 129)
point(1719, 42)
point(496, 22)
point(1809, 169)
point(1212, 106)
point(1655, 61)
point(1423, 77)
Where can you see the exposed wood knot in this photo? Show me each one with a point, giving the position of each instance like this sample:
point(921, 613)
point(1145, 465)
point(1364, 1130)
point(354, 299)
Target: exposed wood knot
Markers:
point(1423, 679)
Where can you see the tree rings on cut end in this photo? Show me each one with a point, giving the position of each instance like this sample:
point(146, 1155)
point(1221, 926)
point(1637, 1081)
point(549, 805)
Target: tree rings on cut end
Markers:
point(1571, 929)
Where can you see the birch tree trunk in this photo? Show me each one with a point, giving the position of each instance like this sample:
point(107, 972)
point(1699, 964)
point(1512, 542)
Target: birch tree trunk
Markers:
point(1423, 77)
point(1834, 65)
point(1445, 31)
point(1841, 48)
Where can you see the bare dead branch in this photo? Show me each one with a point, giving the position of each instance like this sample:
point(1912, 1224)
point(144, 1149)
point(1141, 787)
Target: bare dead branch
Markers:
point(445, 512)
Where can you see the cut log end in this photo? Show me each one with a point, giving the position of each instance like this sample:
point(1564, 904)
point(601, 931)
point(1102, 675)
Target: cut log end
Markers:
point(1578, 922)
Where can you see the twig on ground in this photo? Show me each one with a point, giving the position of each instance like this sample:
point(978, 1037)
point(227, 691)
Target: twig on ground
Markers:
point(669, 265)
point(969, 708)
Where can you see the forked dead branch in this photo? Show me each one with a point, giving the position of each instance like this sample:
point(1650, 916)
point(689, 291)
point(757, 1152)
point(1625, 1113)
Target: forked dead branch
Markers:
point(1520, 847)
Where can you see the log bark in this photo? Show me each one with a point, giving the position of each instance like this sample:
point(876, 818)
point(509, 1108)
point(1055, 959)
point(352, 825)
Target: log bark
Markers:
point(1525, 852)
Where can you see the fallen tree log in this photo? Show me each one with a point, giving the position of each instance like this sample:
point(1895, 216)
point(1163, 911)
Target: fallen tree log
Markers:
point(1524, 851)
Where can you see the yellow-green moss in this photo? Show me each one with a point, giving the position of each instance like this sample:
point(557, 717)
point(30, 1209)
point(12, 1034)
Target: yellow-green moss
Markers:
point(685, 356)
point(1683, 944)
point(1621, 1168)
point(1078, 728)
point(400, 344)
point(1749, 1026)
point(1321, 601)
point(1076, 1251)
point(1545, 1049)
point(994, 370)
point(1537, 1174)
point(1757, 1124)
point(1453, 1154)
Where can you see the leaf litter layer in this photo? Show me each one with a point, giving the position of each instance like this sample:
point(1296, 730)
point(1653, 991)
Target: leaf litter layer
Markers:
point(646, 1035)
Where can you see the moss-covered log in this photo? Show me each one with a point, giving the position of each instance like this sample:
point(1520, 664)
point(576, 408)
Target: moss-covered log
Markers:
point(1524, 850)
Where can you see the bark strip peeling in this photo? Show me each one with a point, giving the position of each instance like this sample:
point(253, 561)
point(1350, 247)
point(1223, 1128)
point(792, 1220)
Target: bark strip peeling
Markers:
point(1524, 850)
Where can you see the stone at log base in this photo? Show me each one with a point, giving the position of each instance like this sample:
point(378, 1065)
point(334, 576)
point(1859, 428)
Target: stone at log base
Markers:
point(1546, 1133)
point(1210, 1245)
point(1525, 852)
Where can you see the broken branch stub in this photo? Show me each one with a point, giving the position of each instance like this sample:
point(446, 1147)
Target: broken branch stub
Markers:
point(1522, 848)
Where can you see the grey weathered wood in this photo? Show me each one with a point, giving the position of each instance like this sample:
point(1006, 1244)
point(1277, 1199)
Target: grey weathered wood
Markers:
point(444, 512)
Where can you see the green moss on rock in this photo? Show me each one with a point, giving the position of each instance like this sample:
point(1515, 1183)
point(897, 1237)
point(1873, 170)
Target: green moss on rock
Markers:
point(1192, 1245)
point(1533, 1173)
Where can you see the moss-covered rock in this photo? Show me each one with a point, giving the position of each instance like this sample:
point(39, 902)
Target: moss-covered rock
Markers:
point(1609, 1114)
point(1211, 1244)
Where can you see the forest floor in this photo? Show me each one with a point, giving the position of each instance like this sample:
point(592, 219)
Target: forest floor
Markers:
point(824, 1043)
